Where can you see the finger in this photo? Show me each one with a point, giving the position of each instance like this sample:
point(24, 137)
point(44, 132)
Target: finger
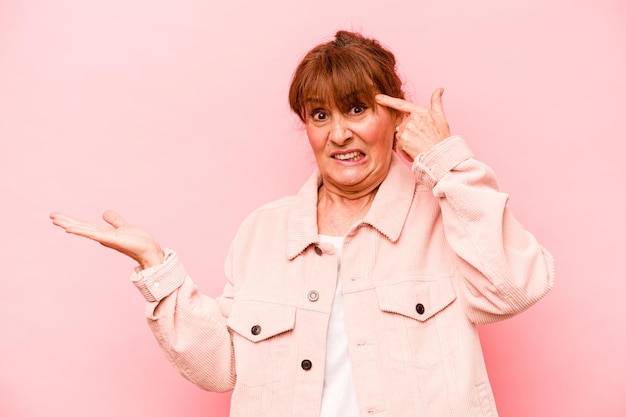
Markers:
point(64, 221)
point(396, 103)
point(56, 217)
point(103, 234)
point(113, 218)
point(436, 102)
point(89, 230)
point(99, 233)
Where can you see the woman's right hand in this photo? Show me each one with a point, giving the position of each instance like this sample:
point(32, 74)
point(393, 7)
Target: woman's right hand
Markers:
point(125, 238)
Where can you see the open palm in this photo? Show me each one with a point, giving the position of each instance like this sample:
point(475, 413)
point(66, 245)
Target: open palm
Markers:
point(116, 234)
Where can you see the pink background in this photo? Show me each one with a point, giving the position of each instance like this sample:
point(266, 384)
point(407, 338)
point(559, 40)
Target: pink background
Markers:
point(174, 112)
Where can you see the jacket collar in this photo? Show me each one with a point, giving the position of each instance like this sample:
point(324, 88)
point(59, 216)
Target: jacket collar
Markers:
point(387, 213)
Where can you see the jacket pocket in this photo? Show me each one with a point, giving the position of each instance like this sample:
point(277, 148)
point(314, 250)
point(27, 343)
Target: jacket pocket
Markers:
point(261, 335)
point(420, 318)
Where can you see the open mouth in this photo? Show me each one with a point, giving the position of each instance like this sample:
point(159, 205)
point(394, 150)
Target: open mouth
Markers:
point(350, 156)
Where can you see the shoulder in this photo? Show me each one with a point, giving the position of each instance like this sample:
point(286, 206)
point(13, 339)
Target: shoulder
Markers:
point(304, 203)
point(273, 209)
point(267, 219)
point(294, 215)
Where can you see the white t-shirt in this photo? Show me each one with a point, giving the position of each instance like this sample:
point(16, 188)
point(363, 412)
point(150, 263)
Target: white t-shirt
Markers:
point(338, 396)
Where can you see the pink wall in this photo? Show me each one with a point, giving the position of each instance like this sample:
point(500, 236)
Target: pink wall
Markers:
point(175, 114)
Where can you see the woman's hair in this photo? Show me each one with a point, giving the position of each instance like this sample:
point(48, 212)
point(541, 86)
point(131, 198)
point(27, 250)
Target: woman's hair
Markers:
point(347, 71)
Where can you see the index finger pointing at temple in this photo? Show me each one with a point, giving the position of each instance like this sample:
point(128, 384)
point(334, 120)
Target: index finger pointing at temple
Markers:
point(396, 103)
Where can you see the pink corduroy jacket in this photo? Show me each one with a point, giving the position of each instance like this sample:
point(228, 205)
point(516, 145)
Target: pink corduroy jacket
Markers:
point(437, 253)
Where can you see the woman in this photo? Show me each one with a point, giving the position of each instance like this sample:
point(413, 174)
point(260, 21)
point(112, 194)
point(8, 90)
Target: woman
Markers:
point(361, 294)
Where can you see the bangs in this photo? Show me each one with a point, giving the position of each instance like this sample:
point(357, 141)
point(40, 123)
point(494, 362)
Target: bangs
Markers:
point(338, 80)
point(343, 73)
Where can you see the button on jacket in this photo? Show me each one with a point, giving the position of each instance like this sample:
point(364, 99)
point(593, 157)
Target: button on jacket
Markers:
point(437, 253)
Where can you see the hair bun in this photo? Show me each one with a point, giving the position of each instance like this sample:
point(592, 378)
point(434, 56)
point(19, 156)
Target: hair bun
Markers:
point(344, 38)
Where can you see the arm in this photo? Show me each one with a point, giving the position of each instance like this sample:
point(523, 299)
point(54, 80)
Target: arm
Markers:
point(503, 267)
point(190, 327)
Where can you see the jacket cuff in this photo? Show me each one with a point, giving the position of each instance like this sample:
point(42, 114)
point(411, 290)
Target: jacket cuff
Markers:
point(157, 282)
point(433, 164)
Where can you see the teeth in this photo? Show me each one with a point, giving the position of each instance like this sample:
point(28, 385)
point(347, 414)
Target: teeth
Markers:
point(346, 156)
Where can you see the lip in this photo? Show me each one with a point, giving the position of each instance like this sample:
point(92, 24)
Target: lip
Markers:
point(361, 160)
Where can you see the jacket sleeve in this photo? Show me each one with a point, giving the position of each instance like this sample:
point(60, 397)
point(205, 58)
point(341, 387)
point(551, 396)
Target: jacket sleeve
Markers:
point(190, 327)
point(504, 269)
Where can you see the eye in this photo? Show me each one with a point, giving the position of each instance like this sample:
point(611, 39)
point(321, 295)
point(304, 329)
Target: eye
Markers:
point(318, 115)
point(357, 109)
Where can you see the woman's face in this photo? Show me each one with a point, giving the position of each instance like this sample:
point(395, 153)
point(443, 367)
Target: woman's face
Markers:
point(353, 150)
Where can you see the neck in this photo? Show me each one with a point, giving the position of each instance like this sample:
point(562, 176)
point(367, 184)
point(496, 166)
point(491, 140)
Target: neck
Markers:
point(336, 212)
point(330, 197)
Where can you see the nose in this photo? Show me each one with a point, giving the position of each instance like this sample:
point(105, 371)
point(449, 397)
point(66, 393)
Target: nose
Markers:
point(340, 132)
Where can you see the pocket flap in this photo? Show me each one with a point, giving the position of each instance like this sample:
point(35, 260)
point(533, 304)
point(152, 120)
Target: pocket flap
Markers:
point(417, 299)
point(260, 320)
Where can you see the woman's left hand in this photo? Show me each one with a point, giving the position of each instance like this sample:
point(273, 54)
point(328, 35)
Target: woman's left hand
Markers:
point(422, 127)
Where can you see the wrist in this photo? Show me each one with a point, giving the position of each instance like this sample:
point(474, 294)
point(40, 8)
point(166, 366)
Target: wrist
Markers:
point(152, 259)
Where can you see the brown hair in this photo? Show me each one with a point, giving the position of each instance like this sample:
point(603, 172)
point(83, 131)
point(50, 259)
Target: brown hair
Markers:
point(349, 70)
